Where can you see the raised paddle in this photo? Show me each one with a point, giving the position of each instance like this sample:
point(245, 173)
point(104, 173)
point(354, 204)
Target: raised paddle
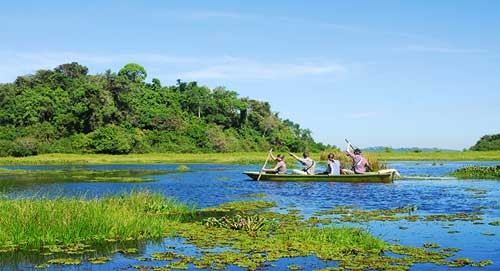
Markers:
point(349, 144)
point(265, 164)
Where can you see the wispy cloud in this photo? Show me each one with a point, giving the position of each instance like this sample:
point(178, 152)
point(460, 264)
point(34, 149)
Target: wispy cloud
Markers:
point(247, 69)
point(443, 50)
point(190, 68)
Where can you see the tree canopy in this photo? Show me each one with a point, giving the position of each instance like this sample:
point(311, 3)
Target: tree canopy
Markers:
point(487, 143)
point(68, 110)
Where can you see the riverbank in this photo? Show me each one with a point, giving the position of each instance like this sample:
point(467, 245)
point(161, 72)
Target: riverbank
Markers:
point(227, 158)
point(439, 156)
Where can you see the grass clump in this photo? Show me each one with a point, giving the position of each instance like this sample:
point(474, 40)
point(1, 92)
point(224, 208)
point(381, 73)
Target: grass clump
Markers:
point(477, 172)
point(37, 222)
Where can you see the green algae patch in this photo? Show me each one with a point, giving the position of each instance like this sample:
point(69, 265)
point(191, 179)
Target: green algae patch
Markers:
point(295, 267)
point(494, 223)
point(65, 261)
point(407, 213)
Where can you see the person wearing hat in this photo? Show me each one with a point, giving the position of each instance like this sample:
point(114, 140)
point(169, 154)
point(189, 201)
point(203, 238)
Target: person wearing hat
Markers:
point(359, 163)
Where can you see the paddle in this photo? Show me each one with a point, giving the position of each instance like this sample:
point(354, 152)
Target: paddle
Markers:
point(349, 144)
point(265, 163)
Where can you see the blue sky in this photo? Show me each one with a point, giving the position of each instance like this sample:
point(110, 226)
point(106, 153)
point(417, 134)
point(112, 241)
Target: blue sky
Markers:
point(390, 73)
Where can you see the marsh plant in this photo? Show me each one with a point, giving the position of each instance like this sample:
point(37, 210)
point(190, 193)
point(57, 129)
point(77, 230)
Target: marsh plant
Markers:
point(477, 172)
point(250, 223)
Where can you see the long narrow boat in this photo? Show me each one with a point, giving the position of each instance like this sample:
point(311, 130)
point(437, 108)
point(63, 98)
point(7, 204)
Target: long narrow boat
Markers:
point(372, 177)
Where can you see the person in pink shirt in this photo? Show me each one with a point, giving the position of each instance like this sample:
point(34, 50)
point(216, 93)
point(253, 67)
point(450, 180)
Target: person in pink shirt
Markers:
point(359, 163)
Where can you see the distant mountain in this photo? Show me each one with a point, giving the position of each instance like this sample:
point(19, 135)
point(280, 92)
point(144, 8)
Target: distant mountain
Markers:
point(405, 149)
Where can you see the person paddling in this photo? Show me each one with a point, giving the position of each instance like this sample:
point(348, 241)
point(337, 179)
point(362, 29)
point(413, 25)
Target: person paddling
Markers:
point(359, 163)
point(280, 167)
point(307, 162)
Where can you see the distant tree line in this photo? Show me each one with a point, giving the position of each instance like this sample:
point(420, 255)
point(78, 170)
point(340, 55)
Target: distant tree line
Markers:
point(67, 110)
point(487, 143)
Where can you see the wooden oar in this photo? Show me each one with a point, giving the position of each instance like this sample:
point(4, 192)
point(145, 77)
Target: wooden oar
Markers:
point(265, 164)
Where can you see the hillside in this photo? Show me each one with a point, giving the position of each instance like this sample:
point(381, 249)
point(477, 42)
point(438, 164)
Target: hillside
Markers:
point(487, 143)
point(66, 110)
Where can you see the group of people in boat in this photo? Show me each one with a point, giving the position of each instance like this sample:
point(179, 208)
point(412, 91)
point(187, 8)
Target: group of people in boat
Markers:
point(359, 164)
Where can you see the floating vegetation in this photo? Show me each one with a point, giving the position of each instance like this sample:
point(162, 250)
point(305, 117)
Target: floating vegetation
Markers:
point(223, 179)
point(99, 260)
point(254, 195)
point(249, 234)
point(80, 175)
point(42, 266)
point(65, 261)
point(182, 168)
point(488, 233)
point(403, 228)
point(476, 191)
point(494, 223)
point(453, 232)
point(295, 267)
point(482, 263)
point(477, 172)
point(431, 245)
point(348, 214)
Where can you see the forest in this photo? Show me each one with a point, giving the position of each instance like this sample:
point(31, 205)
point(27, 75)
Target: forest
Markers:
point(67, 110)
point(487, 143)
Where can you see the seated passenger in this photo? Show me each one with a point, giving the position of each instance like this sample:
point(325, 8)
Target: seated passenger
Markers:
point(332, 166)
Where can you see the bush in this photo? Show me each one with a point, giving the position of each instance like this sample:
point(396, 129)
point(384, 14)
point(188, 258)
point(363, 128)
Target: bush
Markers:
point(110, 139)
point(6, 148)
point(25, 146)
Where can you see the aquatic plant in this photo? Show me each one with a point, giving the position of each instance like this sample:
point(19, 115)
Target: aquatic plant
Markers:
point(477, 172)
point(182, 168)
point(81, 175)
point(38, 222)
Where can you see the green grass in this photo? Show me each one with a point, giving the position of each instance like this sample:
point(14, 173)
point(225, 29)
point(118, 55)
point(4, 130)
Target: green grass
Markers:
point(64, 229)
point(477, 172)
point(36, 222)
point(440, 156)
point(231, 158)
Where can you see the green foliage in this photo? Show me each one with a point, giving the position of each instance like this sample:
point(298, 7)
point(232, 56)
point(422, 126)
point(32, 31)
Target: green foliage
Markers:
point(477, 172)
point(110, 139)
point(134, 72)
point(487, 143)
point(67, 110)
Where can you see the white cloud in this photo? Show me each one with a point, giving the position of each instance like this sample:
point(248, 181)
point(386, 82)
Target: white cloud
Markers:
point(190, 68)
point(240, 68)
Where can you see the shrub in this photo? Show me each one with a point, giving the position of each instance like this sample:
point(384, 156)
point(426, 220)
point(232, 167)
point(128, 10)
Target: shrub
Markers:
point(110, 139)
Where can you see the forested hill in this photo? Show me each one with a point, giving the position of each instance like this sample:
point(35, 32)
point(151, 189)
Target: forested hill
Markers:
point(487, 143)
point(66, 110)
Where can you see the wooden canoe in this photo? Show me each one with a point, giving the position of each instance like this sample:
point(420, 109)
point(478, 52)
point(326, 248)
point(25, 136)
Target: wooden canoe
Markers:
point(372, 177)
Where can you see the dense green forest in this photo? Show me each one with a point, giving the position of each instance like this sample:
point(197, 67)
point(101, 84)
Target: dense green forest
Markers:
point(487, 143)
point(67, 110)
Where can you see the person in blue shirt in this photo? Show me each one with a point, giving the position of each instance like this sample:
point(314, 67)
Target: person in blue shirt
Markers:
point(332, 166)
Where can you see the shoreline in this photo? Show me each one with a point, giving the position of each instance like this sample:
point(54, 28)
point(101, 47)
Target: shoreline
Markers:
point(224, 158)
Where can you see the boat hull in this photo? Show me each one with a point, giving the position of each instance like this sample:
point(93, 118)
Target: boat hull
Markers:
point(353, 178)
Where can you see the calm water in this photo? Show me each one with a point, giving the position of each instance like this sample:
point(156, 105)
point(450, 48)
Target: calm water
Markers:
point(210, 185)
